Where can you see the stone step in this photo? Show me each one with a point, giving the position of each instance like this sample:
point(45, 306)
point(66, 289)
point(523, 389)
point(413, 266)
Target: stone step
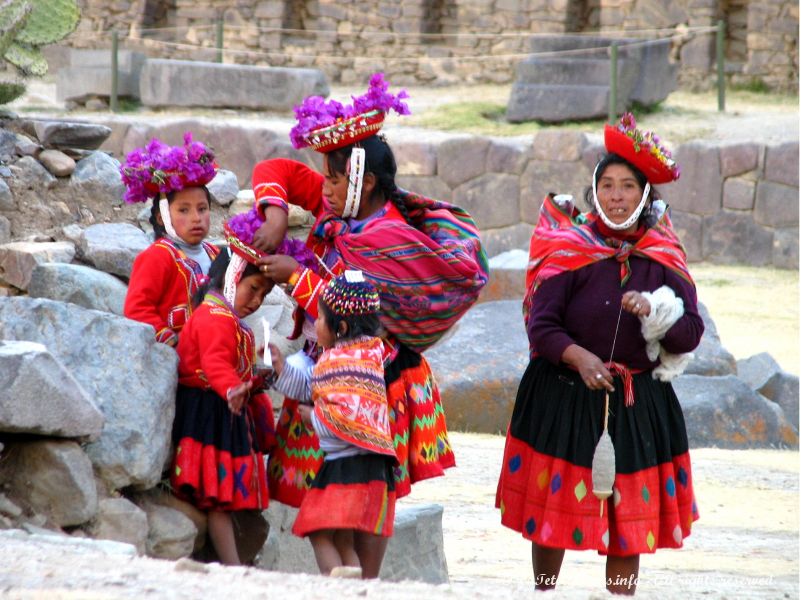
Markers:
point(555, 103)
point(567, 71)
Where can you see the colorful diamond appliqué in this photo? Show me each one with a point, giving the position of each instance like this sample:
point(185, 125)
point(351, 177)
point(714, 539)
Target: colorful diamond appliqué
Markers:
point(556, 483)
point(514, 463)
point(682, 475)
point(221, 472)
point(677, 534)
point(580, 490)
point(605, 538)
point(542, 479)
point(577, 536)
point(546, 531)
point(646, 495)
point(650, 540)
point(616, 496)
point(531, 526)
point(670, 487)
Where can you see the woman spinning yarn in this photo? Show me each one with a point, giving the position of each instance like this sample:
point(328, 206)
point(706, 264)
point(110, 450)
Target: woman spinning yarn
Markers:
point(610, 309)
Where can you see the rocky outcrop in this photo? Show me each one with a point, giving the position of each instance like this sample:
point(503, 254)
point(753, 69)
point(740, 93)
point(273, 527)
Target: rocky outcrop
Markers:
point(134, 390)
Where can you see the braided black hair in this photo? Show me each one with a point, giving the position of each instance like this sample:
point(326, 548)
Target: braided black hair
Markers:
point(380, 161)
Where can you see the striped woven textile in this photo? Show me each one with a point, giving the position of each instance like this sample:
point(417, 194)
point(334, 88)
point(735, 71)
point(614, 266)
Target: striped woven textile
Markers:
point(428, 272)
point(350, 396)
point(564, 241)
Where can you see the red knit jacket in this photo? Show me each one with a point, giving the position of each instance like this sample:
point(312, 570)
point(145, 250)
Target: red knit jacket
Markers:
point(161, 287)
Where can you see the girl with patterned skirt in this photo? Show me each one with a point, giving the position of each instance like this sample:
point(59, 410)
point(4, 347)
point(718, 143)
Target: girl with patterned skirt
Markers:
point(352, 498)
point(423, 256)
point(610, 310)
point(218, 464)
point(167, 274)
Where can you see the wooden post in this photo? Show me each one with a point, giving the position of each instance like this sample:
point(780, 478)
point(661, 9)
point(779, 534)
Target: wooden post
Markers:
point(219, 40)
point(612, 83)
point(115, 82)
point(720, 51)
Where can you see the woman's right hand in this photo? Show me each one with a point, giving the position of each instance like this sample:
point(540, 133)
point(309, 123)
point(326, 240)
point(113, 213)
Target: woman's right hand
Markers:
point(592, 370)
point(273, 230)
point(277, 359)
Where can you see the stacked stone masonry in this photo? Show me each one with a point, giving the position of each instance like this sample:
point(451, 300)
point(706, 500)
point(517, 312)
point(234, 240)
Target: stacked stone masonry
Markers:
point(445, 41)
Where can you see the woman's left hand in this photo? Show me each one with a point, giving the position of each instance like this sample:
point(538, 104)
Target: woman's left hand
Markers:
point(636, 304)
point(277, 267)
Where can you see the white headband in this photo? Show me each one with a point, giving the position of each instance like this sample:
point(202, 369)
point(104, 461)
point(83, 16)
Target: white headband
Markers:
point(628, 222)
point(164, 211)
point(233, 273)
point(355, 181)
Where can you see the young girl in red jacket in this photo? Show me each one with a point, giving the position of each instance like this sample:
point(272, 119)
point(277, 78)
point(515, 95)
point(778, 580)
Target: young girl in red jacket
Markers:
point(218, 464)
point(169, 271)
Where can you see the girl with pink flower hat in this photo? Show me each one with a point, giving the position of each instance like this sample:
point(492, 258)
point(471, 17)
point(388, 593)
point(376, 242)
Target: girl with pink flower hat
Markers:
point(169, 271)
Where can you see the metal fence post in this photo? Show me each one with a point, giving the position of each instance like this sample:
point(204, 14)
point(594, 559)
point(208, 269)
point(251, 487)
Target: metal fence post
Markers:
point(612, 82)
point(719, 50)
point(219, 40)
point(114, 100)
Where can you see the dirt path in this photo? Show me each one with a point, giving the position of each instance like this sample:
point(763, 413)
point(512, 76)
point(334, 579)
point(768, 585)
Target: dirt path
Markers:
point(744, 546)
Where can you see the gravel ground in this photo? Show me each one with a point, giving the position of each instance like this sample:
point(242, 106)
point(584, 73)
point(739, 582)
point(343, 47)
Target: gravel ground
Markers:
point(744, 546)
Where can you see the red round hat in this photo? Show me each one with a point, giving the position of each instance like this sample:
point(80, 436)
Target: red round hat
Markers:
point(240, 247)
point(642, 149)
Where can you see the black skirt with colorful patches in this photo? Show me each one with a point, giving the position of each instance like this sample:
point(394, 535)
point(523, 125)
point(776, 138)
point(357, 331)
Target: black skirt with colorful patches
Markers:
point(545, 486)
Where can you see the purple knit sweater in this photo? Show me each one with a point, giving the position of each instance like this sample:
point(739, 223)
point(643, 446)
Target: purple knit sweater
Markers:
point(581, 307)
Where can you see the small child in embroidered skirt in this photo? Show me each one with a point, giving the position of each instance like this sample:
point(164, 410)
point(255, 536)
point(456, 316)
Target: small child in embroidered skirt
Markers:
point(350, 507)
point(219, 465)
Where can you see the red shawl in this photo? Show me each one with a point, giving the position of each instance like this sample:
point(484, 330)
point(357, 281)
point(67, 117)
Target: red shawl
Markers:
point(565, 241)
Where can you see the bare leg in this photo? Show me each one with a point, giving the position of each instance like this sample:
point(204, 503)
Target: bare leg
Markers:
point(343, 540)
point(546, 563)
point(221, 532)
point(370, 549)
point(325, 551)
point(622, 573)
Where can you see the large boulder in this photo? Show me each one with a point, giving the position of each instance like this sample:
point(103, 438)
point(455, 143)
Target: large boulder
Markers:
point(78, 284)
point(782, 388)
point(130, 377)
point(478, 387)
point(415, 550)
point(70, 134)
point(757, 370)
point(166, 82)
point(112, 247)
point(725, 412)
point(19, 259)
point(97, 177)
point(54, 478)
point(710, 357)
point(120, 520)
point(38, 395)
point(171, 534)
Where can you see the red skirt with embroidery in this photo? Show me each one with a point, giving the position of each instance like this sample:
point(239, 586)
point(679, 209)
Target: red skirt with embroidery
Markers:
point(356, 492)
point(545, 486)
point(416, 420)
point(217, 465)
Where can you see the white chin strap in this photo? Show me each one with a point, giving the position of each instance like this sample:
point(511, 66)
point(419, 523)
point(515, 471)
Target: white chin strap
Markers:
point(164, 211)
point(628, 222)
point(355, 180)
point(233, 273)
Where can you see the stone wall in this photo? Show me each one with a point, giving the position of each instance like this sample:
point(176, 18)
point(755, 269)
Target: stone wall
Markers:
point(761, 37)
point(416, 41)
point(734, 203)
